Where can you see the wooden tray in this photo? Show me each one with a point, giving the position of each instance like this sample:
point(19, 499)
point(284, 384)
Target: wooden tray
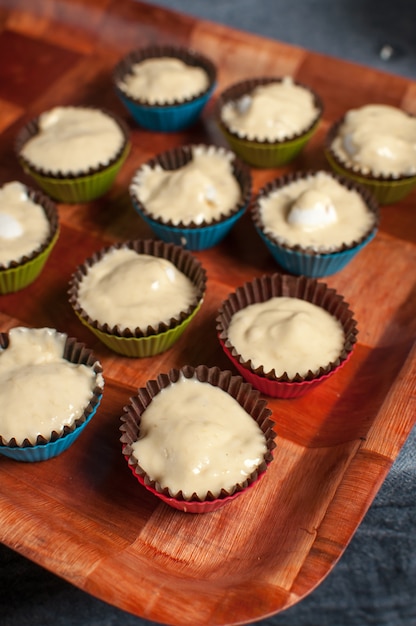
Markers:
point(82, 515)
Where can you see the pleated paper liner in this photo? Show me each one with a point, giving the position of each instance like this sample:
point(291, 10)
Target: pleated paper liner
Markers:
point(190, 235)
point(21, 273)
point(306, 261)
point(277, 285)
point(45, 448)
point(235, 386)
point(167, 117)
point(385, 189)
point(74, 187)
point(143, 342)
point(264, 153)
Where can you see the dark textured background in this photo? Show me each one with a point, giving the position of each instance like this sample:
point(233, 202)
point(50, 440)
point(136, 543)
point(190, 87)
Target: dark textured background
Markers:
point(374, 582)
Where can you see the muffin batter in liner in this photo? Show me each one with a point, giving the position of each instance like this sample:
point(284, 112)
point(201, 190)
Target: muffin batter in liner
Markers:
point(387, 189)
point(184, 261)
point(189, 57)
point(248, 398)
point(31, 129)
point(51, 213)
point(177, 158)
point(281, 182)
point(269, 286)
point(74, 352)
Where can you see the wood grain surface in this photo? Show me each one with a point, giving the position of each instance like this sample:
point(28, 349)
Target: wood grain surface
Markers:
point(82, 515)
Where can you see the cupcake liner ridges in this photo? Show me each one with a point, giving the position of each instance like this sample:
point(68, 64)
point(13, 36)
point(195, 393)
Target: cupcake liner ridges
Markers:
point(170, 117)
point(58, 442)
point(275, 285)
point(19, 275)
point(193, 236)
point(385, 189)
point(139, 342)
point(305, 261)
point(78, 187)
point(247, 397)
point(264, 153)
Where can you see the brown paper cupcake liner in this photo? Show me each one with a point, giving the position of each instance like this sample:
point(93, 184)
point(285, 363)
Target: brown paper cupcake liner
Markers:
point(245, 87)
point(187, 55)
point(287, 179)
point(183, 260)
point(179, 157)
point(74, 352)
point(31, 129)
point(275, 285)
point(249, 399)
point(51, 212)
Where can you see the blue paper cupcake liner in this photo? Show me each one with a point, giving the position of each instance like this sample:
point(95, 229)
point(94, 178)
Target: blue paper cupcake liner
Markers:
point(312, 265)
point(305, 261)
point(166, 119)
point(75, 353)
point(43, 452)
point(192, 238)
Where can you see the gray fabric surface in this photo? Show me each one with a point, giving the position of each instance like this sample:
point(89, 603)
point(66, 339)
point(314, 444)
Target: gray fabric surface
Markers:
point(350, 29)
point(374, 584)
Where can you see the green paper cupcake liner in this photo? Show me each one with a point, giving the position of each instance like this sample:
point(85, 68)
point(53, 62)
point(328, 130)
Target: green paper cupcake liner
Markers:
point(265, 156)
point(264, 153)
point(17, 278)
point(139, 342)
point(81, 189)
point(141, 347)
point(20, 274)
point(384, 191)
point(78, 187)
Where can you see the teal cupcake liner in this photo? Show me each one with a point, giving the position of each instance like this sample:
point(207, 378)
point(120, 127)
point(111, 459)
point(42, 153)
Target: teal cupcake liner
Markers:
point(192, 236)
point(74, 188)
point(312, 265)
point(49, 450)
point(45, 449)
point(21, 274)
point(305, 261)
point(165, 117)
point(385, 189)
point(263, 153)
point(137, 342)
